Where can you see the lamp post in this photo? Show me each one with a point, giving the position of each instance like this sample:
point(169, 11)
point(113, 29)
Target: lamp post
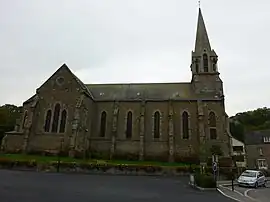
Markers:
point(189, 153)
point(232, 173)
point(59, 153)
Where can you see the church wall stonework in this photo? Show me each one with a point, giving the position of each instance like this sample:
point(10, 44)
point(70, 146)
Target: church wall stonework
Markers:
point(157, 125)
point(124, 108)
point(185, 147)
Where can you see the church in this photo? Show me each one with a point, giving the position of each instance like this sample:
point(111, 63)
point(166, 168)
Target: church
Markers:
point(143, 121)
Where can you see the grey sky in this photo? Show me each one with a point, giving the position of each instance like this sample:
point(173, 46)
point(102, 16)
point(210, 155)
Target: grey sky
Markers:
point(105, 41)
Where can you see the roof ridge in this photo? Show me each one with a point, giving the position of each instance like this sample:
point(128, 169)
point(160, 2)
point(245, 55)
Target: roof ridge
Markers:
point(137, 83)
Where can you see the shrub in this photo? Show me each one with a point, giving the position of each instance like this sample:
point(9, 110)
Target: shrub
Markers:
point(216, 150)
point(26, 163)
point(6, 163)
point(266, 173)
point(205, 180)
point(184, 169)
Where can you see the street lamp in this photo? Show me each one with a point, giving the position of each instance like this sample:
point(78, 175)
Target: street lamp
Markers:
point(232, 172)
point(59, 153)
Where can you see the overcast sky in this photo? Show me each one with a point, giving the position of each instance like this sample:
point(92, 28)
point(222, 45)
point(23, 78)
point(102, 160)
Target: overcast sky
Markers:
point(105, 41)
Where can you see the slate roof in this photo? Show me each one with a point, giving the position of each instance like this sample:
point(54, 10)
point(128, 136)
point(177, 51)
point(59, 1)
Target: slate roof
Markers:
point(256, 137)
point(138, 91)
point(30, 99)
point(143, 91)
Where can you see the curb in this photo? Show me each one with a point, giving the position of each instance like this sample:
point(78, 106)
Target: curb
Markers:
point(201, 188)
point(243, 195)
point(35, 170)
point(246, 195)
point(235, 199)
point(225, 187)
point(228, 185)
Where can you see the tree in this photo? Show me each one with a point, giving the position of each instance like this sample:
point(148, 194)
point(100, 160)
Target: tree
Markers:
point(258, 119)
point(237, 130)
point(216, 150)
point(8, 116)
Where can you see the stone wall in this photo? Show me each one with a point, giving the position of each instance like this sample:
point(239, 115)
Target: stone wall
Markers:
point(13, 143)
point(253, 153)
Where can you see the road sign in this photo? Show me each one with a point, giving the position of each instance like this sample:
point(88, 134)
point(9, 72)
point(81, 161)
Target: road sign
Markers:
point(214, 166)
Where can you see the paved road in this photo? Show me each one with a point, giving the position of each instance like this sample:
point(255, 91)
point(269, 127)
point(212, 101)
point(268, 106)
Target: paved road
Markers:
point(43, 187)
point(260, 194)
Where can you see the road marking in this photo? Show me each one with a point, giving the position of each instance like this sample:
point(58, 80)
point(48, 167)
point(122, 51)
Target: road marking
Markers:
point(231, 190)
point(228, 196)
point(246, 194)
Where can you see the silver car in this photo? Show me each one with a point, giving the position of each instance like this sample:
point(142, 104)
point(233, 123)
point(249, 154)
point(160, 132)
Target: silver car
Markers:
point(252, 178)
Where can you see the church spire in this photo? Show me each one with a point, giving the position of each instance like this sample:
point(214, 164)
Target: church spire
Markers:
point(202, 40)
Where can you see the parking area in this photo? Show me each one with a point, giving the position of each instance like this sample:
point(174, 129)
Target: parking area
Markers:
point(54, 187)
point(261, 194)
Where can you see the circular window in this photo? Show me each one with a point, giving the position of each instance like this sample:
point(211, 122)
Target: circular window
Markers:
point(60, 80)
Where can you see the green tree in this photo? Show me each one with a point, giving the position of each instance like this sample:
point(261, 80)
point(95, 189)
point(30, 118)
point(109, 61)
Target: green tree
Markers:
point(237, 130)
point(216, 150)
point(8, 116)
point(258, 119)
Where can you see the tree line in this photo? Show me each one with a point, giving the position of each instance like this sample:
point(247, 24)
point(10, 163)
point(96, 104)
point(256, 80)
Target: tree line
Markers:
point(8, 116)
point(242, 122)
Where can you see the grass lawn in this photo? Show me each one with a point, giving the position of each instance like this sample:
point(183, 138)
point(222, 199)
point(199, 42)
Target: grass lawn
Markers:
point(19, 157)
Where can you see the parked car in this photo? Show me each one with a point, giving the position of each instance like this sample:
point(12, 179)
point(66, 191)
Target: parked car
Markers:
point(252, 178)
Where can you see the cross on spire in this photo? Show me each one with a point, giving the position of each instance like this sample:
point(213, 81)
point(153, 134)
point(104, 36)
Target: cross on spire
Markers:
point(199, 3)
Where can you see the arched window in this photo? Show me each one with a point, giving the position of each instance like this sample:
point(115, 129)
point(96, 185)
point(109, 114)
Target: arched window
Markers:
point(56, 118)
point(156, 124)
point(63, 121)
point(48, 121)
point(102, 130)
point(185, 125)
point(129, 125)
point(24, 118)
point(212, 126)
point(205, 62)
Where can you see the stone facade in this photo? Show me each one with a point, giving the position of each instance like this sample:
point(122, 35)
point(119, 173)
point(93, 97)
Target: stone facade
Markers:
point(257, 144)
point(164, 120)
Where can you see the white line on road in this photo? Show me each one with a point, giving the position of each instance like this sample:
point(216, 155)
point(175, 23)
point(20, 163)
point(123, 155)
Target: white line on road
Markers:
point(246, 194)
point(231, 190)
point(228, 196)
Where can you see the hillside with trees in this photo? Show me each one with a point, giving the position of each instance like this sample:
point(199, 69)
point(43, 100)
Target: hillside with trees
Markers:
point(258, 119)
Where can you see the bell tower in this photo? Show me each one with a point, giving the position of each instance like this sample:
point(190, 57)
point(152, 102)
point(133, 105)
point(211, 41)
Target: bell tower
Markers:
point(205, 75)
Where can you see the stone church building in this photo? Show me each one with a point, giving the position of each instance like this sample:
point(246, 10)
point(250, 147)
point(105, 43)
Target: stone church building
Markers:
point(165, 121)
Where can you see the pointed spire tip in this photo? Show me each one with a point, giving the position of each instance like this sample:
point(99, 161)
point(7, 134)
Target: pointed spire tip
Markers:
point(202, 40)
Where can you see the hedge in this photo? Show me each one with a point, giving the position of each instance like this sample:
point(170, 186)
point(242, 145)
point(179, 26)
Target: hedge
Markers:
point(98, 165)
point(205, 180)
point(104, 166)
